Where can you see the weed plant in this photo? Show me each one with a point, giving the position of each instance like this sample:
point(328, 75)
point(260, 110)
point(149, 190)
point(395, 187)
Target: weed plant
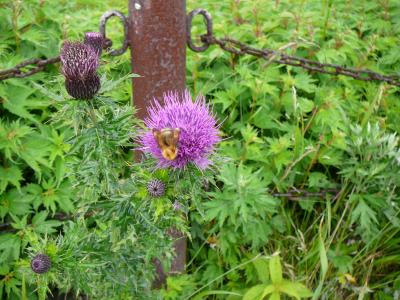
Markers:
point(69, 186)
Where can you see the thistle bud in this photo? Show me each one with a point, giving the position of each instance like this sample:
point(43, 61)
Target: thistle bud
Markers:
point(94, 40)
point(41, 264)
point(79, 66)
point(83, 89)
point(156, 188)
point(177, 206)
point(78, 60)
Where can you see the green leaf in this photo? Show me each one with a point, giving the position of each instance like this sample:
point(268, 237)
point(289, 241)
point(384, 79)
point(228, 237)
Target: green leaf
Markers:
point(305, 82)
point(59, 169)
point(40, 225)
point(16, 101)
point(51, 195)
point(12, 175)
point(250, 135)
point(306, 105)
point(295, 289)
point(317, 179)
point(323, 257)
point(265, 119)
point(275, 296)
point(255, 292)
point(275, 269)
point(65, 203)
point(35, 153)
point(277, 145)
point(19, 223)
point(12, 285)
point(364, 214)
point(47, 92)
point(12, 136)
point(4, 270)
point(9, 247)
point(324, 267)
point(107, 85)
point(14, 202)
point(261, 264)
point(215, 292)
point(268, 290)
point(47, 227)
point(39, 218)
point(23, 289)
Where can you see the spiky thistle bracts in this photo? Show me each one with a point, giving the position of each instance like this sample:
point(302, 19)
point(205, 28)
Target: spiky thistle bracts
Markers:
point(94, 40)
point(79, 60)
point(83, 89)
point(198, 130)
point(79, 66)
point(177, 206)
point(41, 264)
point(156, 188)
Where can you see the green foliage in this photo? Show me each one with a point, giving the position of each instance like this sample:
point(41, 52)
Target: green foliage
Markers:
point(373, 168)
point(242, 211)
point(67, 189)
point(114, 230)
point(277, 285)
point(293, 130)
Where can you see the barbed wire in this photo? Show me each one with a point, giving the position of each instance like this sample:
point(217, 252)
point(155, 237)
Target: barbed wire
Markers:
point(33, 66)
point(228, 44)
point(27, 68)
point(238, 48)
point(298, 194)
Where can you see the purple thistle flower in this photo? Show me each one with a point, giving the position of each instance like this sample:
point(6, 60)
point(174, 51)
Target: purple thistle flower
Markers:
point(79, 66)
point(198, 130)
point(156, 188)
point(79, 61)
point(41, 264)
point(94, 40)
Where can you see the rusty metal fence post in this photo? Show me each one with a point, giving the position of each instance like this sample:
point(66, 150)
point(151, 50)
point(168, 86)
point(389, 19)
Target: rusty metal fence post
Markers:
point(157, 37)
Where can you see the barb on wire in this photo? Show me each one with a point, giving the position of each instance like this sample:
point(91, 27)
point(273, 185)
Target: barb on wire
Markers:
point(297, 194)
point(239, 48)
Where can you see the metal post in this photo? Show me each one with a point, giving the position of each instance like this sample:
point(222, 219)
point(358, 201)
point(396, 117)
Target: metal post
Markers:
point(157, 36)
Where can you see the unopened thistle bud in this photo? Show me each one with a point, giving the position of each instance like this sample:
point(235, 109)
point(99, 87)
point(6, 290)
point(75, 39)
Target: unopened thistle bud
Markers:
point(94, 40)
point(79, 66)
point(78, 60)
point(83, 89)
point(177, 205)
point(41, 264)
point(156, 188)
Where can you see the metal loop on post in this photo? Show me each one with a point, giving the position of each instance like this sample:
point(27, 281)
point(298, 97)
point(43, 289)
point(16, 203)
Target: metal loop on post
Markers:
point(102, 29)
point(208, 22)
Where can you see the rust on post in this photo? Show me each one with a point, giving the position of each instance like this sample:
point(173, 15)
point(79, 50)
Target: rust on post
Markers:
point(157, 35)
point(157, 38)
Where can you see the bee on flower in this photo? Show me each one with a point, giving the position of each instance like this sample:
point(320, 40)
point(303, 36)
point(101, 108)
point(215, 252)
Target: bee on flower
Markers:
point(181, 131)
